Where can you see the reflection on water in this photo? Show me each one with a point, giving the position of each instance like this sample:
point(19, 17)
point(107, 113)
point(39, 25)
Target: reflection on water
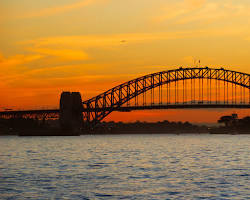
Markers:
point(125, 167)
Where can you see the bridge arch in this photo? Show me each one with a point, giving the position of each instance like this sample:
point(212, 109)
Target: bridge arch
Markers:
point(97, 108)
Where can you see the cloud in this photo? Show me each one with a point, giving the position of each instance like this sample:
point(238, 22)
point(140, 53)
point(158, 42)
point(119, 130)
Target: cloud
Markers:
point(61, 9)
point(106, 40)
point(13, 67)
point(202, 12)
point(100, 40)
point(16, 66)
point(114, 40)
point(18, 59)
point(64, 54)
point(177, 9)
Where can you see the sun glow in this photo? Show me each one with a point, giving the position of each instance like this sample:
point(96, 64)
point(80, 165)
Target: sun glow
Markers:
point(93, 45)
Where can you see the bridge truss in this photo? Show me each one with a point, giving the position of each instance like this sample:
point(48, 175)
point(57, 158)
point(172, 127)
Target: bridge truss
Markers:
point(180, 88)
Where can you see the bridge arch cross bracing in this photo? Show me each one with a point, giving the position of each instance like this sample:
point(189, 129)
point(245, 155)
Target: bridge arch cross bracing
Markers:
point(97, 108)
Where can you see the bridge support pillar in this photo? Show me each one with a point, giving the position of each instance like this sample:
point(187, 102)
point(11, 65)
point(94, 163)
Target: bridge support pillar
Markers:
point(70, 117)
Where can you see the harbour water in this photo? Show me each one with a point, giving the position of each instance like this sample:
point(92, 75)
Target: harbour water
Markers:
point(125, 167)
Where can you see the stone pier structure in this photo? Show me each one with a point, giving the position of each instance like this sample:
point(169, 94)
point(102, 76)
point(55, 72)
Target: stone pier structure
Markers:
point(71, 118)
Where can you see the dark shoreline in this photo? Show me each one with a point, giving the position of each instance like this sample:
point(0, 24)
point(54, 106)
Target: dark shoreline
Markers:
point(34, 127)
point(48, 133)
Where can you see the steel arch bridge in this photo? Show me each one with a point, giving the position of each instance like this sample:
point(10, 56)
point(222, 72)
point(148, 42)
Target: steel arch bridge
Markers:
point(182, 88)
point(179, 88)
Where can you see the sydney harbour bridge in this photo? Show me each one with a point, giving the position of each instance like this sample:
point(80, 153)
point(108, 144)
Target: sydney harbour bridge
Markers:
point(182, 88)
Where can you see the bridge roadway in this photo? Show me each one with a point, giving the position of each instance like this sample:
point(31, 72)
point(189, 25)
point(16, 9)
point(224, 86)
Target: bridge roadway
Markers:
point(29, 112)
point(168, 106)
point(131, 108)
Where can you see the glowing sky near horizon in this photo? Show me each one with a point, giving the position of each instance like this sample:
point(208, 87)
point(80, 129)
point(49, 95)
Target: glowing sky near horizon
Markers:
point(92, 45)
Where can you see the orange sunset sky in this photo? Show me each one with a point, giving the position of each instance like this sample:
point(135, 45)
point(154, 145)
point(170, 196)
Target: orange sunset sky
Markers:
point(92, 45)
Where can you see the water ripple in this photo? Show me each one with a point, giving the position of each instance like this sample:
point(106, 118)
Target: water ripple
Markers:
point(125, 167)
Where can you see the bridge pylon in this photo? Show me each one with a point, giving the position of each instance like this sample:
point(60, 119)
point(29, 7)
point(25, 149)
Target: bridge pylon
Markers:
point(70, 114)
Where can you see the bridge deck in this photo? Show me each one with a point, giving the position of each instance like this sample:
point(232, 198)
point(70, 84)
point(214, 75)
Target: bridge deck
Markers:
point(169, 106)
point(29, 112)
point(131, 108)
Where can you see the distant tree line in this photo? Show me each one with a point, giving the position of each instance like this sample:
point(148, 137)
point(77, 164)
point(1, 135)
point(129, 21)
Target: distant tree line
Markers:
point(232, 121)
point(229, 122)
point(150, 127)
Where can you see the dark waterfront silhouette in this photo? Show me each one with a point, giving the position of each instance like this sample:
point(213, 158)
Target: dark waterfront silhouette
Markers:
point(26, 126)
point(232, 125)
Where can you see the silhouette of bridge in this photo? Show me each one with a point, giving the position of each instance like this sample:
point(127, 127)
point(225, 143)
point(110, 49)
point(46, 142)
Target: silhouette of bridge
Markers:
point(182, 88)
